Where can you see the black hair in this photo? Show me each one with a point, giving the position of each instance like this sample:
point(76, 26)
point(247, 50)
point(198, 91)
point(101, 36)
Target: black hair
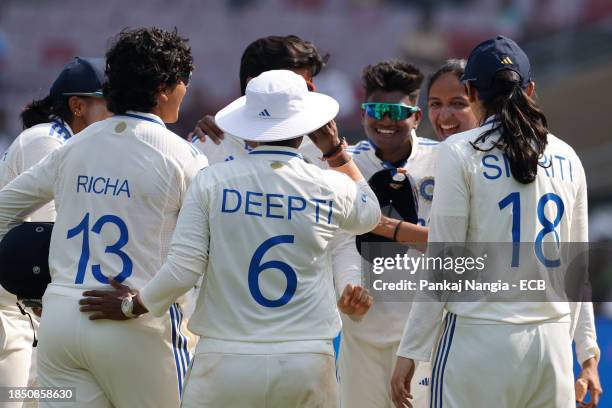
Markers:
point(44, 110)
point(279, 52)
point(393, 75)
point(519, 120)
point(141, 61)
point(454, 66)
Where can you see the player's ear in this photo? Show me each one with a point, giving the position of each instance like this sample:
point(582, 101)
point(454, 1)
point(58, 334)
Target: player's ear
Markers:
point(417, 119)
point(531, 88)
point(76, 106)
point(162, 94)
point(472, 93)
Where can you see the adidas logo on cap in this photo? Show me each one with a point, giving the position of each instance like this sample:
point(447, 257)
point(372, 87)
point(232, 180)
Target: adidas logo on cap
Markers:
point(264, 114)
point(506, 61)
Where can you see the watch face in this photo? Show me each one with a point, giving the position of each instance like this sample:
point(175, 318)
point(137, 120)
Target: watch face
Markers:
point(127, 306)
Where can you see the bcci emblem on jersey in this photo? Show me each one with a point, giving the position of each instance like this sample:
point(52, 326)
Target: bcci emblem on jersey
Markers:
point(426, 188)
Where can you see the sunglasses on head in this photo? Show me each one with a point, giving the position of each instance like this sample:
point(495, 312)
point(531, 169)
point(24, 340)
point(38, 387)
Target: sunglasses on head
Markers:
point(396, 111)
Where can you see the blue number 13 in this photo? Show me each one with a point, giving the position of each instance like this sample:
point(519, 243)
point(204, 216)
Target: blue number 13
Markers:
point(83, 227)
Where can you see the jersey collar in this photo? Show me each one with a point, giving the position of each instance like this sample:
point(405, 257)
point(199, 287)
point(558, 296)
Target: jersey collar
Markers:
point(489, 121)
point(62, 128)
point(371, 154)
point(278, 153)
point(149, 117)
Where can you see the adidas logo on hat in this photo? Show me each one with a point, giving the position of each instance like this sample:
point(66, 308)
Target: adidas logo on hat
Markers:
point(264, 114)
point(506, 61)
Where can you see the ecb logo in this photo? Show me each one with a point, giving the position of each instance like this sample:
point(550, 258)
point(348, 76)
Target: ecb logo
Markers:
point(426, 188)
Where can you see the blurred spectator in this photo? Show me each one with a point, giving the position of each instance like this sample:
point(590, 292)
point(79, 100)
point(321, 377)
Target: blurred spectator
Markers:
point(600, 257)
point(5, 136)
point(426, 46)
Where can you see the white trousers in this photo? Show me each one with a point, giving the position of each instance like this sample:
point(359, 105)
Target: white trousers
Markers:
point(274, 380)
point(134, 363)
point(502, 365)
point(16, 351)
point(365, 375)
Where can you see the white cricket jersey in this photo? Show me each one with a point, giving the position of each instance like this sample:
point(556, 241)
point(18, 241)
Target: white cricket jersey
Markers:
point(118, 188)
point(258, 230)
point(30, 147)
point(232, 148)
point(384, 322)
point(476, 197)
point(420, 166)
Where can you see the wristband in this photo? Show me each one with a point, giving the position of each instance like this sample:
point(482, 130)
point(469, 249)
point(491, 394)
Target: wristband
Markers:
point(336, 150)
point(339, 160)
point(396, 230)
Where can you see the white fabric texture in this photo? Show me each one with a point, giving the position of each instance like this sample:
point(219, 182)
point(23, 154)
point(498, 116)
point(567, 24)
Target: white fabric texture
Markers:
point(465, 209)
point(249, 227)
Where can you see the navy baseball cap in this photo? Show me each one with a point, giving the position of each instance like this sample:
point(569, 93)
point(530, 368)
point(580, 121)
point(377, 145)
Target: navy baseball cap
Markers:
point(24, 260)
point(81, 77)
point(492, 56)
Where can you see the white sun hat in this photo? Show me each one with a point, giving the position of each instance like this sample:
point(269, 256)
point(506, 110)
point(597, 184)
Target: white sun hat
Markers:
point(277, 106)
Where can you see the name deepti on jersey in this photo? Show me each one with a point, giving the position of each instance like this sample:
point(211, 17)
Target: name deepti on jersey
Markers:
point(554, 165)
point(102, 185)
point(272, 205)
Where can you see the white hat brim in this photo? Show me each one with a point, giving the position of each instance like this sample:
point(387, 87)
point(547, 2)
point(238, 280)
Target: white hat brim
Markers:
point(235, 120)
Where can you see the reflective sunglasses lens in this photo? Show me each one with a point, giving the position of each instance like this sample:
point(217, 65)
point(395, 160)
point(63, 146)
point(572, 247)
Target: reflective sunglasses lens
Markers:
point(400, 112)
point(371, 109)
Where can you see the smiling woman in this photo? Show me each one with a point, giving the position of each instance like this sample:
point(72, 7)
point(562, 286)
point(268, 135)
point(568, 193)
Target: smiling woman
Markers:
point(387, 85)
point(448, 105)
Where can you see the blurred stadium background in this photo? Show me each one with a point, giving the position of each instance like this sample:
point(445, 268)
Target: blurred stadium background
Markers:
point(568, 41)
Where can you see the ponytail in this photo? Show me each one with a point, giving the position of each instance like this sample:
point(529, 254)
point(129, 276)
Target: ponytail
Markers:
point(44, 110)
point(37, 111)
point(519, 120)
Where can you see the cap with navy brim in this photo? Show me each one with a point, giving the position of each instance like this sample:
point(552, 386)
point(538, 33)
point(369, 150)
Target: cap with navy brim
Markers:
point(277, 106)
point(80, 77)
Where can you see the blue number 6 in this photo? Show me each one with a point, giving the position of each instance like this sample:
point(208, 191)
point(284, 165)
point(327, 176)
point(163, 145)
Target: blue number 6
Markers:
point(255, 268)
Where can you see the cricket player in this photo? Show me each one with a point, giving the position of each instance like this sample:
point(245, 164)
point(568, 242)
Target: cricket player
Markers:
point(74, 102)
point(390, 118)
point(118, 188)
point(492, 188)
point(450, 113)
point(302, 57)
point(264, 54)
point(257, 229)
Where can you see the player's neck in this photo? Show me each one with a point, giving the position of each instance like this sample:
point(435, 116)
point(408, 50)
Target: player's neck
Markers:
point(395, 155)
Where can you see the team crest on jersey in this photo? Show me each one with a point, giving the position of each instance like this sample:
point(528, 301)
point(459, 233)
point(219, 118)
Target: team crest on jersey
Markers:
point(426, 188)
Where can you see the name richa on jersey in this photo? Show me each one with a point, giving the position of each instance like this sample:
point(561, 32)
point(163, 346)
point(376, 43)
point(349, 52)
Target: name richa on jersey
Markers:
point(443, 286)
point(102, 185)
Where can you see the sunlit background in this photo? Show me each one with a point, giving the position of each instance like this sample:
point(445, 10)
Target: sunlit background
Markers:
point(569, 43)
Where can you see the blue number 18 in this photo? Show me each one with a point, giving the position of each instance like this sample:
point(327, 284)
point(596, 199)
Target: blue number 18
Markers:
point(548, 226)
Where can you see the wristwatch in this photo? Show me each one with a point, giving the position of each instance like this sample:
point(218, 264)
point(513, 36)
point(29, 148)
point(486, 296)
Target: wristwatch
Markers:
point(127, 306)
